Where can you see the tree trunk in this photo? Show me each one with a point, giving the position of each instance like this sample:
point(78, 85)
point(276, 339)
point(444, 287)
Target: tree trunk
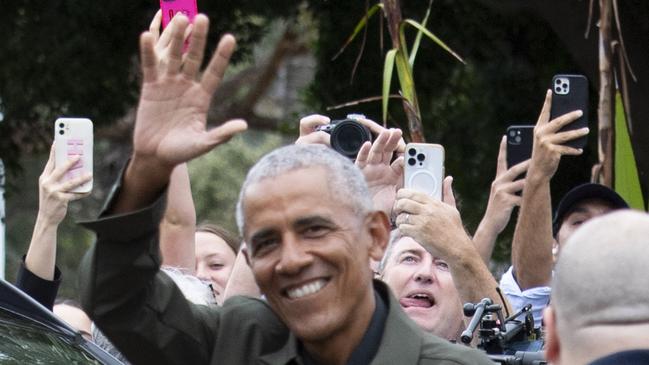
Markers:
point(606, 88)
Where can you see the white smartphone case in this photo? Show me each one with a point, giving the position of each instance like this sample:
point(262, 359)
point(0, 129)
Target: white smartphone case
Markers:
point(424, 168)
point(74, 137)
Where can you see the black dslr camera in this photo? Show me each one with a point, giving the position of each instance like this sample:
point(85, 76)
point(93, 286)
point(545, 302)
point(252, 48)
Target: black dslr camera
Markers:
point(347, 135)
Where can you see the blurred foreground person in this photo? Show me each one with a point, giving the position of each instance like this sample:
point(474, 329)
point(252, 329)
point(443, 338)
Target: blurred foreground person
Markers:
point(305, 213)
point(599, 313)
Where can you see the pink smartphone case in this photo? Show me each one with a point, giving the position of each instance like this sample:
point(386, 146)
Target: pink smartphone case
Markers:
point(172, 7)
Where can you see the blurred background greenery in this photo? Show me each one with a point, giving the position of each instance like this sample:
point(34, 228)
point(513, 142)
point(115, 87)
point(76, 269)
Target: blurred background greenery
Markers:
point(79, 58)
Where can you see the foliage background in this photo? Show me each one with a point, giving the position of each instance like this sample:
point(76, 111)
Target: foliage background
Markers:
point(78, 58)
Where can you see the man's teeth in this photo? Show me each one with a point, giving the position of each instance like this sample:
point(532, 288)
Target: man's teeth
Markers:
point(306, 289)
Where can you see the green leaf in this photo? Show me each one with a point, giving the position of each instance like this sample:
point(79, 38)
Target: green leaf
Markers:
point(361, 24)
point(627, 182)
point(434, 38)
point(406, 81)
point(415, 46)
point(387, 80)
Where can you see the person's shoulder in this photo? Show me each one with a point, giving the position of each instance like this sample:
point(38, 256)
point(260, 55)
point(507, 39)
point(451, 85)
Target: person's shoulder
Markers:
point(242, 311)
point(435, 350)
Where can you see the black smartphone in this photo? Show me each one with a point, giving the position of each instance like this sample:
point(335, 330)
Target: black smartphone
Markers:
point(570, 93)
point(520, 139)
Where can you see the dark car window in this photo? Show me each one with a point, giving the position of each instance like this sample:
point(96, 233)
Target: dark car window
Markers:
point(25, 342)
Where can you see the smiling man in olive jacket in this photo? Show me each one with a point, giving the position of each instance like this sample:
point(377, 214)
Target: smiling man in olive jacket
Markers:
point(305, 214)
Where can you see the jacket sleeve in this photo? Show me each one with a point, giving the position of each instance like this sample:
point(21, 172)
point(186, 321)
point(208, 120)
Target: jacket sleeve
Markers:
point(42, 290)
point(136, 306)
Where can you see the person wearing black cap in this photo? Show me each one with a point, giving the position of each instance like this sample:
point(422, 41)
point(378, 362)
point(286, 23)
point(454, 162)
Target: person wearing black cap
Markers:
point(537, 236)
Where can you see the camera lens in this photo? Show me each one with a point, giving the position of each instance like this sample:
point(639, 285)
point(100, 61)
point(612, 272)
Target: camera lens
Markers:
point(558, 82)
point(412, 152)
point(61, 125)
point(558, 89)
point(512, 133)
point(348, 136)
point(412, 161)
point(517, 139)
point(61, 132)
point(421, 157)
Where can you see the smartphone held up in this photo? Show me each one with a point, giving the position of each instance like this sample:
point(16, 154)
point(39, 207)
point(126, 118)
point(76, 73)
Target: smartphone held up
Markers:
point(424, 168)
point(570, 93)
point(73, 137)
point(172, 7)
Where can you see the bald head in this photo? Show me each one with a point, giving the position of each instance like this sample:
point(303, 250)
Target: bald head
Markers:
point(601, 276)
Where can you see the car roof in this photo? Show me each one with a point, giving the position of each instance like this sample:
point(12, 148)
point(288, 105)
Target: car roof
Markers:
point(17, 302)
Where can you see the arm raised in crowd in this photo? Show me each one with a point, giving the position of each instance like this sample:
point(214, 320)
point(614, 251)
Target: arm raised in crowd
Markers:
point(502, 200)
point(171, 119)
point(532, 244)
point(54, 194)
point(178, 225)
point(437, 226)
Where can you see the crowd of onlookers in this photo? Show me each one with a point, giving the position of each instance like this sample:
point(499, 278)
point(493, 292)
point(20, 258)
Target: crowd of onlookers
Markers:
point(334, 262)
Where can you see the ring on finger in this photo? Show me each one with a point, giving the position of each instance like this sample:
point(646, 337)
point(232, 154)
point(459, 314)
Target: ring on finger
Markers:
point(406, 220)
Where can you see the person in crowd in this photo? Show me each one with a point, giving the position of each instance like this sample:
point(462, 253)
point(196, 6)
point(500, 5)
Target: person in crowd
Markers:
point(505, 194)
point(216, 251)
point(599, 313)
point(433, 266)
point(305, 213)
point(70, 311)
point(38, 275)
point(527, 281)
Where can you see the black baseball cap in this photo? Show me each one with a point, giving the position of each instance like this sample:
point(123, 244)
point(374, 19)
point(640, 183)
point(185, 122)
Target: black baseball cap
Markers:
point(581, 193)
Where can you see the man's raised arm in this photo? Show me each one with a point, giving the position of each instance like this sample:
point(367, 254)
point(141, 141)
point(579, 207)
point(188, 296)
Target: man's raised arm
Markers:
point(532, 244)
point(170, 126)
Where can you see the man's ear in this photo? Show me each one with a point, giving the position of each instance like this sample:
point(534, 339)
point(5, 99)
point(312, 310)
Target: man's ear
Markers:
point(378, 226)
point(552, 346)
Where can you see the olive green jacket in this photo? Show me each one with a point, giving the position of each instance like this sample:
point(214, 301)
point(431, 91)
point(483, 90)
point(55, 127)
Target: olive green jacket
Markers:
point(149, 320)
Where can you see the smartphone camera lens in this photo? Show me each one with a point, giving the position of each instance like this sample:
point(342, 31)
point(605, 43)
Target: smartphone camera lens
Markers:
point(61, 132)
point(558, 89)
point(61, 125)
point(412, 152)
point(512, 133)
point(421, 157)
point(517, 139)
point(558, 82)
point(412, 161)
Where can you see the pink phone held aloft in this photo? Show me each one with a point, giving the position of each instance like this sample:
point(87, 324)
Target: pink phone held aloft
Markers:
point(172, 7)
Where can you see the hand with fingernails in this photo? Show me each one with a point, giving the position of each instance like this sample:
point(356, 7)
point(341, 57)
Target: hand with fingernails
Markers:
point(434, 224)
point(549, 141)
point(55, 191)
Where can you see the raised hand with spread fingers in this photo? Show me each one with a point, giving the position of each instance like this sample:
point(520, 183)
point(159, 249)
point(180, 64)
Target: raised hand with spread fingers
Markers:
point(171, 119)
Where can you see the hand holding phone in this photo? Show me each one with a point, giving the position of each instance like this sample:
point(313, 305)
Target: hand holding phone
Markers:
point(73, 137)
point(424, 168)
point(570, 93)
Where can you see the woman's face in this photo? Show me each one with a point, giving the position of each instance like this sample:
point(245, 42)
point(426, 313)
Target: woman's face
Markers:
point(214, 261)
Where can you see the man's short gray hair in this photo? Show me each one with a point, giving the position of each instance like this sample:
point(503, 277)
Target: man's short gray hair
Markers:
point(601, 274)
point(346, 181)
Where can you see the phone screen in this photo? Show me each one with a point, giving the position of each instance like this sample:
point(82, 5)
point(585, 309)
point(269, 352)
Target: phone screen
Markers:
point(173, 7)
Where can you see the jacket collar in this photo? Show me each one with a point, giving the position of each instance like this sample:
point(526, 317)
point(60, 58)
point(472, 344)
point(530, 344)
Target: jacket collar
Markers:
point(401, 342)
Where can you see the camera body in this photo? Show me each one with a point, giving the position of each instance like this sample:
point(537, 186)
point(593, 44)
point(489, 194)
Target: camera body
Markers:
point(347, 135)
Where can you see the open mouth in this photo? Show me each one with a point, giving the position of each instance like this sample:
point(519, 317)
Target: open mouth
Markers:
point(306, 289)
point(417, 300)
